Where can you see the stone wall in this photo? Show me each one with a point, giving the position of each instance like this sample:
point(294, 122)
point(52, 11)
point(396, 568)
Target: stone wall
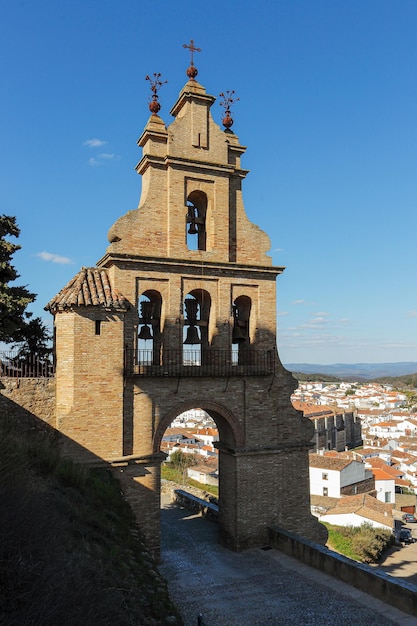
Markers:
point(28, 398)
point(393, 591)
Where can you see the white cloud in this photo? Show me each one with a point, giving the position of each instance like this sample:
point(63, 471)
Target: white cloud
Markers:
point(299, 302)
point(412, 314)
point(102, 157)
point(94, 143)
point(54, 258)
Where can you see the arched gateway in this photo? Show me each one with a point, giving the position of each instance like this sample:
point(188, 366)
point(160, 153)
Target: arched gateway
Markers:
point(181, 312)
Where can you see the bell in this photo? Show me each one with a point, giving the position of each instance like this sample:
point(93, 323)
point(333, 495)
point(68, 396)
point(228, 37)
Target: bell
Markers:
point(192, 337)
point(238, 335)
point(145, 333)
point(146, 309)
point(193, 229)
point(191, 308)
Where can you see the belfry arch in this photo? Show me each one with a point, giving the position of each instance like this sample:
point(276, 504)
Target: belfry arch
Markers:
point(113, 402)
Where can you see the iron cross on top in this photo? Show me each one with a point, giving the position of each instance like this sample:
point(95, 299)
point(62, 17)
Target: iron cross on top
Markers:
point(192, 49)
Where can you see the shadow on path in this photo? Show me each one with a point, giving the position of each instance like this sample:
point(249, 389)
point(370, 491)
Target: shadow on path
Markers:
point(255, 587)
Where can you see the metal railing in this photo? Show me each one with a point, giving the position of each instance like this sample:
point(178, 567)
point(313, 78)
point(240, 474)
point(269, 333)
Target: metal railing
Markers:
point(195, 363)
point(31, 366)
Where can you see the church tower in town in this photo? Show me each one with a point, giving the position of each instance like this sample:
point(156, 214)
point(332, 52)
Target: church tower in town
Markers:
point(180, 313)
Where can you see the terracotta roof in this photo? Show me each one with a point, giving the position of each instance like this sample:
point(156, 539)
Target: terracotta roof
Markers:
point(379, 474)
point(90, 287)
point(326, 462)
point(311, 410)
point(208, 432)
point(365, 506)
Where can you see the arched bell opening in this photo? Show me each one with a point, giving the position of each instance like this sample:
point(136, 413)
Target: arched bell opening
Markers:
point(149, 338)
point(240, 332)
point(197, 306)
point(196, 234)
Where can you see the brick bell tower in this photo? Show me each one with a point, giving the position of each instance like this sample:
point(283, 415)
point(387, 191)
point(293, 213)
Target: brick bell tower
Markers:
point(180, 313)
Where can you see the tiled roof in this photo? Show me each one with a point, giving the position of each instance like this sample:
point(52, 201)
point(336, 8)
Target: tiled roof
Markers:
point(379, 474)
point(325, 462)
point(313, 410)
point(212, 432)
point(90, 287)
point(363, 505)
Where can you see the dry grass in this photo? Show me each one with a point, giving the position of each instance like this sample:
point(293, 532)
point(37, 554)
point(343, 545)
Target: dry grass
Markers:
point(70, 550)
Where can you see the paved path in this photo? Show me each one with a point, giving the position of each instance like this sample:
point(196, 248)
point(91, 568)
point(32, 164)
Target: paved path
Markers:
point(401, 561)
point(256, 587)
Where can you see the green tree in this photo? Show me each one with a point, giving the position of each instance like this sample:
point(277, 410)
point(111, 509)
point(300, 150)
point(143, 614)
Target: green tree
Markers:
point(16, 325)
point(35, 339)
point(182, 461)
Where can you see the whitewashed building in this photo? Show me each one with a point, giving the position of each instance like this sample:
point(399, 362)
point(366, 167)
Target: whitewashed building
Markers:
point(335, 477)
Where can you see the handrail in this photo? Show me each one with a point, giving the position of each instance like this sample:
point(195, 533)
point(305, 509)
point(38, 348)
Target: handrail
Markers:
point(197, 363)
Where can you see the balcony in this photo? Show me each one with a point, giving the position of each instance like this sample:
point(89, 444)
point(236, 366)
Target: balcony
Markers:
point(198, 363)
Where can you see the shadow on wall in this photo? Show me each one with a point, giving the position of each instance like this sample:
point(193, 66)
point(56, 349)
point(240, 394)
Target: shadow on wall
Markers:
point(20, 398)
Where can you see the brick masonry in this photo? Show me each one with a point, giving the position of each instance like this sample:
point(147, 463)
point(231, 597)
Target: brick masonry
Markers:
point(107, 410)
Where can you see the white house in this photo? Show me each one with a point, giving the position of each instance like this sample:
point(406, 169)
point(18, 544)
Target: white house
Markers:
point(204, 474)
point(207, 435)
point(408, 427)
point(384, 485)
point(358, 510)
point(332, 476)
point(386, 430)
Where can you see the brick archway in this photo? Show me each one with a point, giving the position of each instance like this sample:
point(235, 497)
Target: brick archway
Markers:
point(230, 431)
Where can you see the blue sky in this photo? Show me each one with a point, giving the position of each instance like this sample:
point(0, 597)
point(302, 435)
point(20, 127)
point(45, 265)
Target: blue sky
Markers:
point(327, 109)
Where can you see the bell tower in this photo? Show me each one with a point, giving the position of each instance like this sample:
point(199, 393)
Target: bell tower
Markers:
point(189, 297)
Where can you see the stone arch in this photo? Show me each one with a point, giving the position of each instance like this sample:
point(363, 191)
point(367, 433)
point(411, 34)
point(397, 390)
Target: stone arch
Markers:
point(230, 431)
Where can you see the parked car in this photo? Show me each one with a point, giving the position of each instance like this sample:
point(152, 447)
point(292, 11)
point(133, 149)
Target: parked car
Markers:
point(406, 536)
point(409, 518)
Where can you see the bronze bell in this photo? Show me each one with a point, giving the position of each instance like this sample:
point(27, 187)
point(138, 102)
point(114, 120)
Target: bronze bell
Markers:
point(238, 336)
point(192, 337)
point(145, 333)
point(193, 228)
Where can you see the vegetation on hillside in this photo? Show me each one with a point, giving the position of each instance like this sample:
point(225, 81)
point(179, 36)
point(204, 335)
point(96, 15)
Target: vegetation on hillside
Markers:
point(364, 543)
point(314, 378)
point(408, 381)
point(70, 551)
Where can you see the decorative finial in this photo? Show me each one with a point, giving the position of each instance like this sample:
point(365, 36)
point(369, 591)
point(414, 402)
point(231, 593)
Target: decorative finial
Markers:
point(156, 84)
point(192, 70)
point(226, 102)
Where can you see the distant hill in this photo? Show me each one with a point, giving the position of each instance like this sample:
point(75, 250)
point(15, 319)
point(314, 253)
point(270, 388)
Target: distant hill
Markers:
point(358, 371)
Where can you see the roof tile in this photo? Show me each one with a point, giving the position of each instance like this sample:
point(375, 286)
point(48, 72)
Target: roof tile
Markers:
point(90, 287)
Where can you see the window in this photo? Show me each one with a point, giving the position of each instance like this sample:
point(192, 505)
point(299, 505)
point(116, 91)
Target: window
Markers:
point(387, 496)
point(98, 327)
point(325, 491)
point(325, 476)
